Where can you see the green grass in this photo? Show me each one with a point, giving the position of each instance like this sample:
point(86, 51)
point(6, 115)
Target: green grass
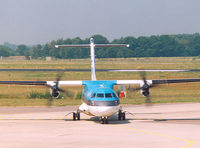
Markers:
point(33, 95)
point(11, 95)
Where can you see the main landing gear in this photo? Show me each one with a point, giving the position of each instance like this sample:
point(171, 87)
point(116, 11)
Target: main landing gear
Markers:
point(76, 115)
point(104, 120)
point(121, 115)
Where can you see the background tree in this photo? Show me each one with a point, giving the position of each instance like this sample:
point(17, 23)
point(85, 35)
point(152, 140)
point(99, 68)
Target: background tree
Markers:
point(36, 51)
point(152, 46)
point(5, 51)
point(22, 49)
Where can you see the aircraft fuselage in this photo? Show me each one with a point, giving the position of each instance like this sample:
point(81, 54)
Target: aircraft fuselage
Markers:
point(99, 99)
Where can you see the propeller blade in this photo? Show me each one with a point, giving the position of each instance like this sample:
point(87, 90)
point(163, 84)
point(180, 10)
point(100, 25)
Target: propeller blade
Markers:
point(50, 100)
point(55, 87)
point(134, 89)
point(60, 75)
point(148, 99)
point(143, 76)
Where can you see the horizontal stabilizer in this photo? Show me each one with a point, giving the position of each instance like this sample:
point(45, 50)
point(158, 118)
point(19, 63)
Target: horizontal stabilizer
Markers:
point(111, 45)
point(95, 45)
point(83, 45)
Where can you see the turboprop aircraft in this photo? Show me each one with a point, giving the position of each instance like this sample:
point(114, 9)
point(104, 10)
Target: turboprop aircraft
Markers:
point(99, 97)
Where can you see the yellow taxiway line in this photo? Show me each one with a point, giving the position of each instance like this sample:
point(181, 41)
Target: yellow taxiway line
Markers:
point(190, 143)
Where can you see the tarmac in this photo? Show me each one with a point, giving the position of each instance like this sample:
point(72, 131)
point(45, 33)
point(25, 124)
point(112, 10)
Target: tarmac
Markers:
point(156, 126)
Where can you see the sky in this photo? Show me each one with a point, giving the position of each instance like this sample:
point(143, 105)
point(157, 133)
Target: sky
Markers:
point(40, 21)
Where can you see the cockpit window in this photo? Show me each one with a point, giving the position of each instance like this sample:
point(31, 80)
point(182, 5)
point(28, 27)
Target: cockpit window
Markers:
point(93, 95)
point(114, 95)
point(100, 95)
point(108, 95)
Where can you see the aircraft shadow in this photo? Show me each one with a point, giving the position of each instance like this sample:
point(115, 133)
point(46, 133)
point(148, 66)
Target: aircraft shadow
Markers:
point(111, 120)
point(114, 120)
point(170, 120)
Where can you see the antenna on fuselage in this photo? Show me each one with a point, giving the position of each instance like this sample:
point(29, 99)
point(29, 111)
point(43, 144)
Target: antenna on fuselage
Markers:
point(92, 52)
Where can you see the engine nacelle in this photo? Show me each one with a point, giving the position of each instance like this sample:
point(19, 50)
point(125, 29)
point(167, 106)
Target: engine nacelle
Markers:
point(145, 90)
point(54, 93)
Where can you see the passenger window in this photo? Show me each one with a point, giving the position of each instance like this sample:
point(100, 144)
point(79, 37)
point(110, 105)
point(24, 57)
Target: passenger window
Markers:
point(93, 95)
point(114, 95)
point(108, 95)
point(100, 95)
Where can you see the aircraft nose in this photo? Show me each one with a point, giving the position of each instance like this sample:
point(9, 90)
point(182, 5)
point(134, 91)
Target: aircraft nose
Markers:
point(104, 110)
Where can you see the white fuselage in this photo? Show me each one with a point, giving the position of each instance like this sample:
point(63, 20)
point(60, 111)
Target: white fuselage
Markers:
point(100, 111)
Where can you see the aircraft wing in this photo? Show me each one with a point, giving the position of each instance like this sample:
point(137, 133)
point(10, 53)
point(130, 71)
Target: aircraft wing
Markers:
point(80, 82)
point(42, 83)
point(174, 81)
point(66, 83)
point(24, 82)
point(155, 82)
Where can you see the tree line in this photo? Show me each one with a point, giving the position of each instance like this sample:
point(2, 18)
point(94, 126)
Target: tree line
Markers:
point(152, 46)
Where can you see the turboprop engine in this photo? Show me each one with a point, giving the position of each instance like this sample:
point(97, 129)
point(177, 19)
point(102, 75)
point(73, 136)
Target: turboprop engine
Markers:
point(54, 92)
point(145, 90)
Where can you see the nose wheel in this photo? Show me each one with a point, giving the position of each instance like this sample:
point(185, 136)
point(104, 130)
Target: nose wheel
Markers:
point(76, 115)
point(104, 120)
point(121, 115)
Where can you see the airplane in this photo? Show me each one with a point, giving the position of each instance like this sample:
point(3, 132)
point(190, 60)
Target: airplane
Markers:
point(99, 97)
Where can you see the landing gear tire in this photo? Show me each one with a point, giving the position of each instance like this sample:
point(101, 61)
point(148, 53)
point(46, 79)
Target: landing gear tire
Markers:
point(76, 116)
point(121, 115)
point(104, 120)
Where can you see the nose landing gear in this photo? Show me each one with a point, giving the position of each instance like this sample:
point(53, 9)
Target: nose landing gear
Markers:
point(104, 120)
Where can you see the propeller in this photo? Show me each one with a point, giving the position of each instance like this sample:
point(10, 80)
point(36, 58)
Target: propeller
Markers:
point(58, 78)
point(55, 88)
point(145, 87)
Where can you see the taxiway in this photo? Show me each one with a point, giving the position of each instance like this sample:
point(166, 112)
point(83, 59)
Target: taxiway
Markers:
point(166, 126)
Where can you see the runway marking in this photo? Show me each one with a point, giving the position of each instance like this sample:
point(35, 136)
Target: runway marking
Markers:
point(157, 134)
